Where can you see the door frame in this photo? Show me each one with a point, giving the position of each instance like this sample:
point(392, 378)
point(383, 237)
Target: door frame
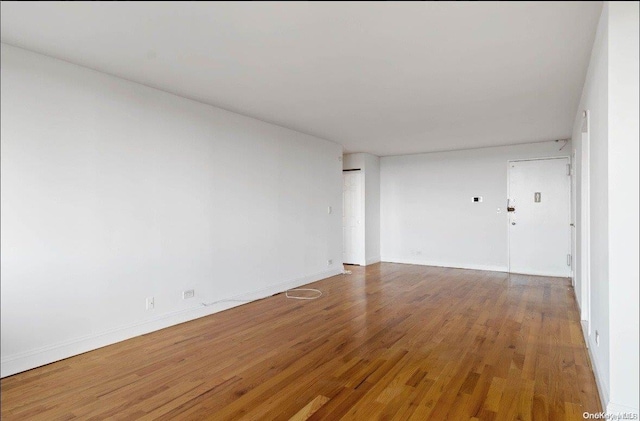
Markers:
point(574, 217)
point(362, 215)
point(585, 221)
point(567, 157)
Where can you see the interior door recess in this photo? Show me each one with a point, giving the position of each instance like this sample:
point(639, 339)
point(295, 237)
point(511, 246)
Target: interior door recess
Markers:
point(540, 217)
point(353, 218)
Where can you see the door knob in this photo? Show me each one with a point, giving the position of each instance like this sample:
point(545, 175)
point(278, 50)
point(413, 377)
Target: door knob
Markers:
point(513, 223)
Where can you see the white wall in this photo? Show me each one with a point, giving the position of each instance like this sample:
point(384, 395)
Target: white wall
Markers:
point(113, 192)
point(623, 204)
point(370, 166)
point(426, 209)
point(610, 94)
point(594, 99)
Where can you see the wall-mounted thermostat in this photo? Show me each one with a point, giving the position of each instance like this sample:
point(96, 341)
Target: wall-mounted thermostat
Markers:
point(476, 199)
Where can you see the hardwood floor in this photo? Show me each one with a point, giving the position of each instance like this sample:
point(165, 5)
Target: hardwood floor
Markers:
point(390, 341)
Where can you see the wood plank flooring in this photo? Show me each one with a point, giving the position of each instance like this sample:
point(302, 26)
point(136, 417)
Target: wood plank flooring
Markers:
point(390, 342)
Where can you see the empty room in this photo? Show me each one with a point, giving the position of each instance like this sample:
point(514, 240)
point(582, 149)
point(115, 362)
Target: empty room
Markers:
point(319, 210)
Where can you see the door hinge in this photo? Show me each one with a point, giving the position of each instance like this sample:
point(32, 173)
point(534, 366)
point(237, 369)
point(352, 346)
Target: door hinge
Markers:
point(568, 260)
point(568, 169)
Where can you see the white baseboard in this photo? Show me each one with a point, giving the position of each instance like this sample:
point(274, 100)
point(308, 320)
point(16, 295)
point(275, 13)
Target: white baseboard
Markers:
point(492, 268)
point(585, 331)
point(45, 355)
point(601, 384)
point(603, 389)
point(372, 260)
point(550, 274)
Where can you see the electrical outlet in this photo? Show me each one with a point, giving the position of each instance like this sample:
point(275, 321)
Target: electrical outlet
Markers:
point(188, 294)
point(597, 338)
point(329, 262)
point(151, 303)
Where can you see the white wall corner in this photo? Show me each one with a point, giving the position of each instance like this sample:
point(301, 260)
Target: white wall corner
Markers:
point(372, 260)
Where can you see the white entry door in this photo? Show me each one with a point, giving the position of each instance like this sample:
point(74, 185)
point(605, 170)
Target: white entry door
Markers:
point(539, 217)
point(353, 218)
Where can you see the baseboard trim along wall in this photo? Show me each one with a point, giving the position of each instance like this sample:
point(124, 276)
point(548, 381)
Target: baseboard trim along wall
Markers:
point(492, 268)
point(603, 388)
point(550, 274)
point(46, 355)
point(584, 325)
point(585, 331)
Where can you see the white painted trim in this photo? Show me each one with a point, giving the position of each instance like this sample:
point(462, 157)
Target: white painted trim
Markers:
point(583, 323)
point(585, 227)
point(574, 215)
point(373, 260)
point(602, 386)
point(541, 159)
point(491, 268)
point(45, 355)
point(550, 274)
point(585, 331)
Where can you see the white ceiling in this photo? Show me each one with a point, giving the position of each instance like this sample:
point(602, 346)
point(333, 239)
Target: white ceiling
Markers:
point(385, 78)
